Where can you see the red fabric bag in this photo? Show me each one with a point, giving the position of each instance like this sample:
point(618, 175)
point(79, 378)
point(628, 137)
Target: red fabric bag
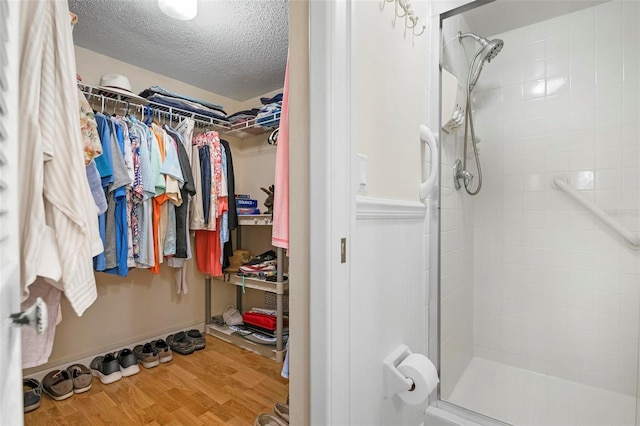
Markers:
point(263, 321)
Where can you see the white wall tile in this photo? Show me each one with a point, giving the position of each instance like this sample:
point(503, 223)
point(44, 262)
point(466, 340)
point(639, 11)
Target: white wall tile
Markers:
point(554, 294)
point(534, 70)
point(534, 89)
point(456, 283)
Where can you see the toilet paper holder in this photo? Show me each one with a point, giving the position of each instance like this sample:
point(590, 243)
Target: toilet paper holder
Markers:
point(394, 380)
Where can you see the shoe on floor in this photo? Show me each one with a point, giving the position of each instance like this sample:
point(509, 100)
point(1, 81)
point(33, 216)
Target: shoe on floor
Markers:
point(181, 343)
point(198, 339)
point(164, 351)
point(81, 377)
point(128, 362)
point(58, 385)
point(282, 411)
point(147, 355)
point(32, 391)
point(106, 368)
point(269, 419)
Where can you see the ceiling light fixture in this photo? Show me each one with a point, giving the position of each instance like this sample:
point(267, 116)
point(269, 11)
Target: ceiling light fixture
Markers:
point(183, 10)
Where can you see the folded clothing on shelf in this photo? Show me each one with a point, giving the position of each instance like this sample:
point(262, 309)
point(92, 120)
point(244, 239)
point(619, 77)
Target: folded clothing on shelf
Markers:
point(277, 98)
point(269, 116)
point(240, 116)
point(189, 106)
point(147, 93)
point(247, 211)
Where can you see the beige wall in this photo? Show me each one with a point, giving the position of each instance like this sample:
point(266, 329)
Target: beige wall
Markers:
point(389, 98)
point(256, 168)
point(299, 219)
point(91, 66)
point(144, 305)
point(132, 309)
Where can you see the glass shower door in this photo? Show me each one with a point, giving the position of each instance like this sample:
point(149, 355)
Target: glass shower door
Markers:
point(539, 284)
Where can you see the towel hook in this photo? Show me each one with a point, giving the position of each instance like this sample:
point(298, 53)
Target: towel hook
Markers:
point(403, 9)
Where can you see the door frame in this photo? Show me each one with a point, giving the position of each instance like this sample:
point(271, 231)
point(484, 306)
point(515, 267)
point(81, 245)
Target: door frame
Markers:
point(332, 209)
point(11, 397)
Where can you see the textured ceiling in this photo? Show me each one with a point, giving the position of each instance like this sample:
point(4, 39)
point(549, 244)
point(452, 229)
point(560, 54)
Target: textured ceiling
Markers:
point(235, 48)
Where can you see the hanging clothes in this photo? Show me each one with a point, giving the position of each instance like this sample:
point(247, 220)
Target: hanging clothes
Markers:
point(208, 251)
point(92, 150)
point(160, 183)
point(280, 229)
point(159, 207)
point(188, 189)
point(184, 133)
point(37, 348)
point(105, 169)
point(212, 229)
point(224, 218)
point(144, 212)
point(117, 223)
point(53, 219)
point(232, 216)
point(135, 195)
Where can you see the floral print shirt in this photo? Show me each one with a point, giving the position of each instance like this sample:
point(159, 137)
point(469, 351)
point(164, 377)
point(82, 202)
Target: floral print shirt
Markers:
point(89, 128)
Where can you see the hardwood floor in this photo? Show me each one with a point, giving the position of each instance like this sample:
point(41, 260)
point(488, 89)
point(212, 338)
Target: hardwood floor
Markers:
point(220, 385)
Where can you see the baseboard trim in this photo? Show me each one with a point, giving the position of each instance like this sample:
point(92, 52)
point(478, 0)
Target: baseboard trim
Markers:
point(369, 208)
point(85, 358)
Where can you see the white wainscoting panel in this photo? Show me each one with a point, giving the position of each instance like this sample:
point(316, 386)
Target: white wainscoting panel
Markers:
point(388, 303)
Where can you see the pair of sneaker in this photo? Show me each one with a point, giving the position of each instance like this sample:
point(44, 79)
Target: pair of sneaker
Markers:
point(186, 342)
point(153, 353)
point(280, 416)
point(32, 394)
point(113, 366)
point(59, 384)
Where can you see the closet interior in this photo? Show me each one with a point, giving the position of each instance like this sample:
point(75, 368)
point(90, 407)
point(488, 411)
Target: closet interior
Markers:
point(272, 344)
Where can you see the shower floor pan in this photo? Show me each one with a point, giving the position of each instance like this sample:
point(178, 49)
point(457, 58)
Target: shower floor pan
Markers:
point(525, 398)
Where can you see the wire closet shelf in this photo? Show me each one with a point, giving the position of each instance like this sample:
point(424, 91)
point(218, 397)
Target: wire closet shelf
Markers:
point(130, 105)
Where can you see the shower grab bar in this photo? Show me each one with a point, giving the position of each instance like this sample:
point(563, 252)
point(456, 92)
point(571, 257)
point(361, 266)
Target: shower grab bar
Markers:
point(562, 184)
point(427, 187)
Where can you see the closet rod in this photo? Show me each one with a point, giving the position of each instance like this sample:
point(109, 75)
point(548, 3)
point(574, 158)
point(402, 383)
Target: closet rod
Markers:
point(170, 112)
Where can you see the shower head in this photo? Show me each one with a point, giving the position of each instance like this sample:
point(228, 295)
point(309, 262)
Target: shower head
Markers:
point(488, 51)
